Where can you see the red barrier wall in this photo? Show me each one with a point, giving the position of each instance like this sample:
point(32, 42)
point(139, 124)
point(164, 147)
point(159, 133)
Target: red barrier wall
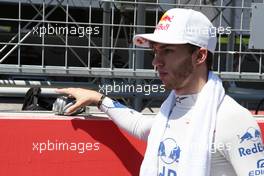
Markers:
point(94, 147)
point(261, 124)
point(108, 151)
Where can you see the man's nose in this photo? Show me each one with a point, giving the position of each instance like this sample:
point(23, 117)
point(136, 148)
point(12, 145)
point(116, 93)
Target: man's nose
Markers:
point(157, 61)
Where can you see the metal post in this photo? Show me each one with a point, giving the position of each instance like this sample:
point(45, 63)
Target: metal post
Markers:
point(231, 40)
point(139, 60)
point(106, 34)
point(231, 44)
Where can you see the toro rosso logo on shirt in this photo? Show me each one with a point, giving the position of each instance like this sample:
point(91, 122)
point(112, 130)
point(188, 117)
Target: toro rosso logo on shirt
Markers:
point(259, 170)
point(169, 152)
point(251, 134)
point(251, 140)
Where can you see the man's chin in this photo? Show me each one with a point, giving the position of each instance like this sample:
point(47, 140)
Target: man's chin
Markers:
point(167, 86)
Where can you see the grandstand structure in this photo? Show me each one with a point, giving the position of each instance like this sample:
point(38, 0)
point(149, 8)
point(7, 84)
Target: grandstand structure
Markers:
point(88, 43)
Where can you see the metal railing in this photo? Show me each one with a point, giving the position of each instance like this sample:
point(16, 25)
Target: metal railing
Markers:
point(98, 39)
point(111, 47)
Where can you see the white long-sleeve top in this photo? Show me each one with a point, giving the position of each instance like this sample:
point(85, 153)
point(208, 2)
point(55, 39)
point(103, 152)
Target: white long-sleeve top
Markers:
point(238, 146)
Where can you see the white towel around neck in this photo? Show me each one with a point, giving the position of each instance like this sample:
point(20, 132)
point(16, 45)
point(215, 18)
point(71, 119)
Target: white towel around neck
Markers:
point(201, 132)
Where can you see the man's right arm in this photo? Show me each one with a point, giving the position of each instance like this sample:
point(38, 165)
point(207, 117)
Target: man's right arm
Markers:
point(128, 119)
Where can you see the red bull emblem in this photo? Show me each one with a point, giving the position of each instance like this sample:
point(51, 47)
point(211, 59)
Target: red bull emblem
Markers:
point(166, 18)
point(164, 22)
point(162, 27)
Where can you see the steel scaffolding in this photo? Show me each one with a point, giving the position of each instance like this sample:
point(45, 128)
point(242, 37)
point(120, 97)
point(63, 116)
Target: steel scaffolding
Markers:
point(105, 50)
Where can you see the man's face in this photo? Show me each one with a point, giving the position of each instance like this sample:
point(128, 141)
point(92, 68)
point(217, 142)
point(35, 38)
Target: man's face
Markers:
point(174, 64)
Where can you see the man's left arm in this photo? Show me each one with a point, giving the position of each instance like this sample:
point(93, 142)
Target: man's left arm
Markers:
point(244, 145)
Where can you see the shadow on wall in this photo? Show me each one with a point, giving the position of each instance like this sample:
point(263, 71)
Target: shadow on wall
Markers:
point(130, 157)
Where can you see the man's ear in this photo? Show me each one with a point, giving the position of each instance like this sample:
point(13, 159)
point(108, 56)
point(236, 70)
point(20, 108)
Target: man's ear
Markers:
point(201, 55)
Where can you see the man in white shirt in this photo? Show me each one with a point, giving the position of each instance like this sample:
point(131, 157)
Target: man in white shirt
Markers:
point(199, 130)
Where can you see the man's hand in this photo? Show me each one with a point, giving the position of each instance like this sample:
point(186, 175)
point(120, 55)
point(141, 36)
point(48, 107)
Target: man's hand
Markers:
point(83, 97)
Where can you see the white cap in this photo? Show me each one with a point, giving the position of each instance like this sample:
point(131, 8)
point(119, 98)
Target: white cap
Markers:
point(181, 26)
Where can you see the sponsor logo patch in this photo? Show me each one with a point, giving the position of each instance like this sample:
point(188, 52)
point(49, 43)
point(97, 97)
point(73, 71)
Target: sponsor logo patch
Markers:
point(169, 153)
point(254, 136)
point(164, 22)
point(259, 170)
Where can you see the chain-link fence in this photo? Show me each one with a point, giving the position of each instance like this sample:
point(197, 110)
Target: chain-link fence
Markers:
point(80, 41)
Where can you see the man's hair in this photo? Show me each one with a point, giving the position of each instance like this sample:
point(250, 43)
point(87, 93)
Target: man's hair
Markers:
point(209, 59)
point(192, 48)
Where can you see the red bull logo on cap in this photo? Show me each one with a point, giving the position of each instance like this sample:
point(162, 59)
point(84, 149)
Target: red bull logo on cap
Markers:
point(166, 18)
point(164, 22)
